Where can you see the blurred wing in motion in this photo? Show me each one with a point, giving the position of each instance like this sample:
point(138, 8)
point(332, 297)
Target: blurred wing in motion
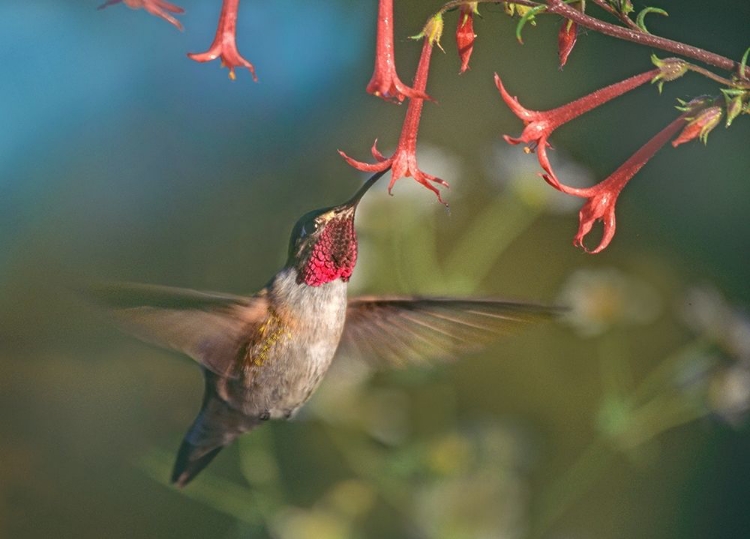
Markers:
point(399, 331)
point(208, 327)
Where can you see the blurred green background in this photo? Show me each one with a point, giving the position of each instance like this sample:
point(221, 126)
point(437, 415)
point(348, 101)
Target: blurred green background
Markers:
point(120, 159)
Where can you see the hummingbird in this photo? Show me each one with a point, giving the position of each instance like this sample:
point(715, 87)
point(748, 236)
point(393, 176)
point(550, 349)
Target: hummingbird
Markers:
point(264, 355)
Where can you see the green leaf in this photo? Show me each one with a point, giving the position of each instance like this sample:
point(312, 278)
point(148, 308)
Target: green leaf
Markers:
point(642, 15)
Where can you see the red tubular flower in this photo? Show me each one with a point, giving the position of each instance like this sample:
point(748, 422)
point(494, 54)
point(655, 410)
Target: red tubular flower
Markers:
point(385, 82)
point(566, 40)
point(160, 8)
point(465, 33)
point(602, 197)
point(541, 124)
point(404, 161)
point(700, 126)
point(225, 42)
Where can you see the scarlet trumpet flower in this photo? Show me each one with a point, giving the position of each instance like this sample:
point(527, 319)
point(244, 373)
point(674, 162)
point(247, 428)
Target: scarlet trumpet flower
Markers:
point(224, 45)
point(602, 197)
point(385, 82)
point(160, 8)
point(404, 161)
point(541, 124)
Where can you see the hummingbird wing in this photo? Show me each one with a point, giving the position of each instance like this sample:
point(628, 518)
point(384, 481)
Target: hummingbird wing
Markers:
point(399, 331)
point(211, 328)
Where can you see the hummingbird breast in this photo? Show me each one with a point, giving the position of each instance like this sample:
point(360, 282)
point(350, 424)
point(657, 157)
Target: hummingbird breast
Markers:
point(292, 348)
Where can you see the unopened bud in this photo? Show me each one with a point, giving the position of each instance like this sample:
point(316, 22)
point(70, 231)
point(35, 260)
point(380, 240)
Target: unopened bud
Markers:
point(695, 104)
point(566, 40)
point(622, 6)
point(669, 69)
point(735, 103)
point(465, 35)
point(700, 126)
point(432, 31)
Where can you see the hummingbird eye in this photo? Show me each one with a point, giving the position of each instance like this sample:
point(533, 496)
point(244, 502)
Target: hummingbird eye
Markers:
point(309, 227)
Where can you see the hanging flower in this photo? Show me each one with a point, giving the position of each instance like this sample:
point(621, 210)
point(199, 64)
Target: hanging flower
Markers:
point(385, 82)
point(602, 197)
point(224, 45)
point(160, 8)
point(404, 161)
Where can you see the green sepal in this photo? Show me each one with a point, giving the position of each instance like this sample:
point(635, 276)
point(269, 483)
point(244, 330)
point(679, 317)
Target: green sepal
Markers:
point(528, 17)
point(743, 62)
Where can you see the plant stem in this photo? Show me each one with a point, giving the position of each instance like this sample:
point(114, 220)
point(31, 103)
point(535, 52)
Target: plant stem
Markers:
point(489, 235)
point(632, 34)
point(558, 7)
point(663, 375)
point(364, 462)
point(573, 484)
point(627, 21)
point(658, 416)
point(713, 76)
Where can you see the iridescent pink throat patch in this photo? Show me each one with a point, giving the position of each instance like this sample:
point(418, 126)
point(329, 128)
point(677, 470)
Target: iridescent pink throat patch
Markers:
point(333, 256)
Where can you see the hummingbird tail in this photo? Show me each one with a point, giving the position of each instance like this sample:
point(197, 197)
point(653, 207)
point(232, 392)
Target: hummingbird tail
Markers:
point(216, 426)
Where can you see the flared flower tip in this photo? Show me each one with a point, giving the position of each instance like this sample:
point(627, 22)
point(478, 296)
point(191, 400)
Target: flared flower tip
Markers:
point(586, 224)
point(513, 104)
point(230, 59)
point(158, 8)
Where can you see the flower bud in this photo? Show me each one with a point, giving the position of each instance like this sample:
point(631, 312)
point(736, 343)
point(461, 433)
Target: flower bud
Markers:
point(433, 30)
point(735, 103)
point(669, 69)
point(566, 40)
point(700, 126)
point(465, 33)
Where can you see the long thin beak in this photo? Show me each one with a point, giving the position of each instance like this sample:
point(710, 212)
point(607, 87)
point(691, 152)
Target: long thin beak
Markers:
point(352, 202)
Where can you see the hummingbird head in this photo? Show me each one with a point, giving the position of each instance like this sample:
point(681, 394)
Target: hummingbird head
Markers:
point(323, 246)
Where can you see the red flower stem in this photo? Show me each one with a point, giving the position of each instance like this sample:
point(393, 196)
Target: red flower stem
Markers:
point(228, 17)
point(635, 162)
point(384, 35)
point(599, 97)
point(414, 111)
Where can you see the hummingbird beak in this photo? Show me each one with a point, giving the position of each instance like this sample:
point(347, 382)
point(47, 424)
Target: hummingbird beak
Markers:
point(351, 204)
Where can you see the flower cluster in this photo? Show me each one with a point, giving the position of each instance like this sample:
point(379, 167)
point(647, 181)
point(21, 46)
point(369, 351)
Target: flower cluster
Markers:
point(404, 160)
point(699, 116)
